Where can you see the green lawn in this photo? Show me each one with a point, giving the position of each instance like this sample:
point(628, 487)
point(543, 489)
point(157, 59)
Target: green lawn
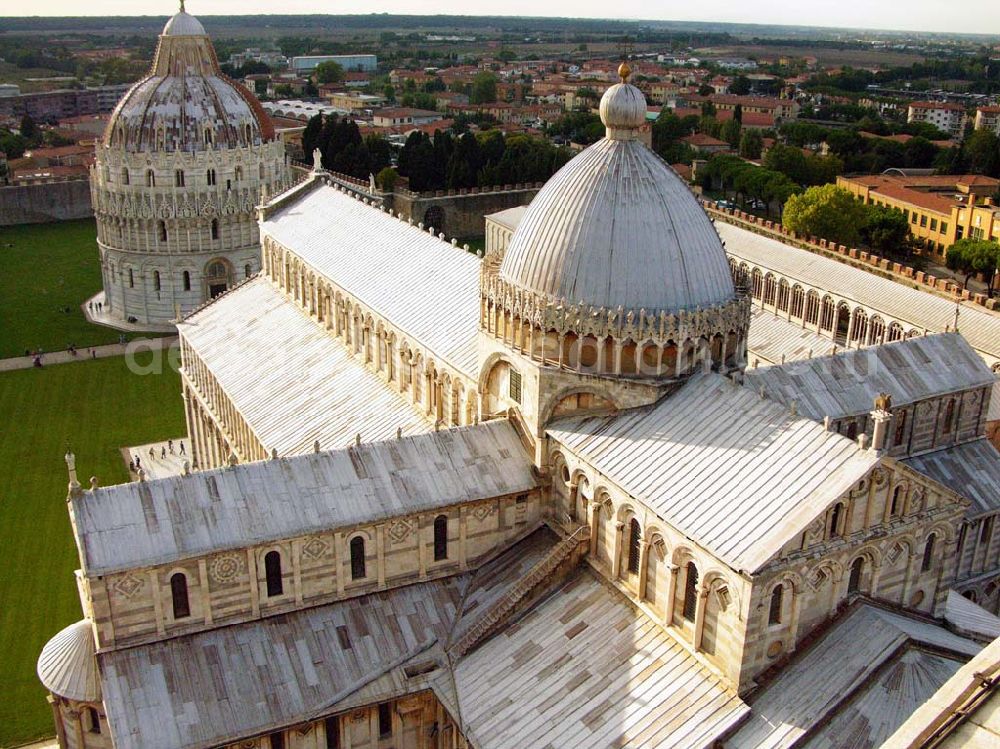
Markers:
point(49, 268)
point(95, 407)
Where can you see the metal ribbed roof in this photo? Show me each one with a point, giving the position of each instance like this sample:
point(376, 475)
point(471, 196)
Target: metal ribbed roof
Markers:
point(183, 24)
point(919, 309)
point(616, 227)
point(732, 471)
point(292, 381)
point(846, 383)
point(153, 522)
point(67, 666)
point(774, 340)
point(972, 469)
point(418, 283)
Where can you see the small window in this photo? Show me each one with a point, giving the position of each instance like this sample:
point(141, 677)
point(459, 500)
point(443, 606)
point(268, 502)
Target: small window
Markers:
point(440, 538)
point(124, 176)
point(161, 228)
point(210, 176)
point(277, 740)
point(260, 171)
point(515, 386)
point(933, 224)
point(928, 559)
point(857, 569)
point(215, 228)
point(774, 612)
point(92, 721)
point(986, 531)
point(247, 271)
point(835, 519)
point(131, 279)
point(150, 178)
point(384, 719)
point(944, 227)
point(690, 606)
point(949, 416)
point(634, 546)
point(179, 178)
point(357, 558)
point(248, 131)
point(156, 280)
point(208, 136)
point(187, 281)
point(332, 726)
point(900, 428)
point(238, 173)
point(179, 595)
point(272, 571)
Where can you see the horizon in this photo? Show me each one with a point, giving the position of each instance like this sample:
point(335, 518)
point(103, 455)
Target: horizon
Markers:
point(928, 16)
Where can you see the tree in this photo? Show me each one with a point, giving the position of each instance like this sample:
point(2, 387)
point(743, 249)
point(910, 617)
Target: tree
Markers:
point(730, 132)
point(329, 72)
point(464, 163)
point(386, 179)
point(740, 86)
point(312, 136)
point(738, 114)
point(971, 256)
point(826, 211)
point(981, 152)
point(887, 230)
point(751, 144)
point(29, 130)
point(484, 88)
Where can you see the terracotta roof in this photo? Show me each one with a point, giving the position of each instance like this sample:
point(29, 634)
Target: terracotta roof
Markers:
point(937, 105)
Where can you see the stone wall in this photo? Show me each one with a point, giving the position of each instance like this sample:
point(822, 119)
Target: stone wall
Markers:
point(460, 213)
point(43, 203)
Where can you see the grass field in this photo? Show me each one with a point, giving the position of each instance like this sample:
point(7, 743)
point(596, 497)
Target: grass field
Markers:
point(95, 407)
point(49, 268)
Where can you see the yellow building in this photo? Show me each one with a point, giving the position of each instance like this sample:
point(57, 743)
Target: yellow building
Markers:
point(941, 209)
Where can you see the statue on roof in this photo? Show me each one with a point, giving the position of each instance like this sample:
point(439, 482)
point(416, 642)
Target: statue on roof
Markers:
point(317, 160)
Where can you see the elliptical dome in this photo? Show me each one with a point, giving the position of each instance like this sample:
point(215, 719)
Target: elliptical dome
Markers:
point(67, 666)
point(616, 227)
point(185, 103)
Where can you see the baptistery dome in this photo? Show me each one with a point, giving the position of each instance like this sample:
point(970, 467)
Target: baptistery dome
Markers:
point(185, 103)
point(616, 227)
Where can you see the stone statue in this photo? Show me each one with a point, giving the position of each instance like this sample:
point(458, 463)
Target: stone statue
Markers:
point(883, 402)
point(317, 160)
point(371, 181)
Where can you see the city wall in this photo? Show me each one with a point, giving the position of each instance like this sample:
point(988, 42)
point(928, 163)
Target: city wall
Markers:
point(45, 202)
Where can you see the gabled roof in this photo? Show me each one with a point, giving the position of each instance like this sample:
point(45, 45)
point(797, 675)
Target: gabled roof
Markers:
point(917, 309)
point(861, 678)
point(153, 522)
point(970, 618)
point(846, 383)
point(774, 340)
point(972, 469)
point(419, 283)
point(584, 668)
point(276, 364)
point(734, 472)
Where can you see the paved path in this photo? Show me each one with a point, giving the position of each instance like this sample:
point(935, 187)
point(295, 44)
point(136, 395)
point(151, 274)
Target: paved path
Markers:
point(43, 744)
point(89, 352)
point(93, 310)
point(165, 460)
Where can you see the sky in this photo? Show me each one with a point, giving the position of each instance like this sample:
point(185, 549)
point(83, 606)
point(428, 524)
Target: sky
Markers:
point(977, 16)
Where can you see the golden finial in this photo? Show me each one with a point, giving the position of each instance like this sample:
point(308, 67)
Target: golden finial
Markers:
point(624, 71)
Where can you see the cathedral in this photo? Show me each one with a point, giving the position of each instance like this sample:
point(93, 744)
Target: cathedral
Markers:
point(533, 498)
point(177, 177)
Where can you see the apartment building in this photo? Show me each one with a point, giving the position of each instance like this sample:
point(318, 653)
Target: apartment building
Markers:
point(944, 115)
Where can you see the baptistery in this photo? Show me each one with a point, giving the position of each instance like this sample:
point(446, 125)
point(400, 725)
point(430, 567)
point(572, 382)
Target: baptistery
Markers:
point(178, 175)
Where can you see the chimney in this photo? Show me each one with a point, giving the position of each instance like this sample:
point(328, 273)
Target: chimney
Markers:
point(74, 484)
point(881, 416)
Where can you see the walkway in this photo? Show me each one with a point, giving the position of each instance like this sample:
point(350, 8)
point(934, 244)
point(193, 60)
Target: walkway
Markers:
point(95, 312)
point(89, 352)
point(159, 459)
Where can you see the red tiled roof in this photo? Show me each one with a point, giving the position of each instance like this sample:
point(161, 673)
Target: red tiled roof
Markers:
point(937, 105)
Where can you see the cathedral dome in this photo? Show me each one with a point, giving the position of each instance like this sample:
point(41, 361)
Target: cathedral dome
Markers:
point(617, 227)
point(186, 103)
point(67, 666)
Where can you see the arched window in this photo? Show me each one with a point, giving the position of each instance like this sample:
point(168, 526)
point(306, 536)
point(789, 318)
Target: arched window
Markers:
point(91, 721)
point(835, 519)
point(208, 136)
point(156, 280)
point(247, 271)
point(210, 176)
point(440, 538)
point(215, 228)
point(897, 501)
point(161, 229)
point(690, 592)
point(150, 178)
point(179, 595)
point(249, 133)
point(857, 569)
point(949, 416)
point(124, 176)
point(260, 171)
point(774, 613)
point(634, 533)
point(179, 178)
point(187, 281)
point(272, 571)
point(928, 559)
point(357, 558)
